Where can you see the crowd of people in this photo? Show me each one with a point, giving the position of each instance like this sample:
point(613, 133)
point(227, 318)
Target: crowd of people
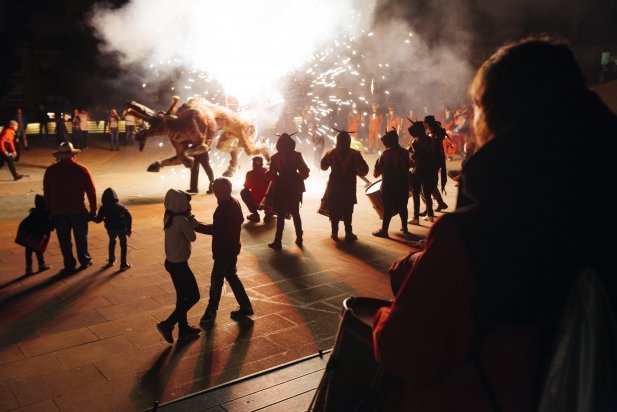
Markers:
point(478, 310)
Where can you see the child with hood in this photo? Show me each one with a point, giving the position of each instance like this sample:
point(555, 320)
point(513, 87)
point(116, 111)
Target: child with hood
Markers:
point(33, 234)
point(179, 226)
point(118, 222)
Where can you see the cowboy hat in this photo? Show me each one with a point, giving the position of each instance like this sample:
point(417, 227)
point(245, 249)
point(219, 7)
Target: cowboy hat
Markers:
point(65, 151)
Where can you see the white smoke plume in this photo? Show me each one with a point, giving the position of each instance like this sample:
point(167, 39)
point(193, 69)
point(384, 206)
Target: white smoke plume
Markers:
point(245, 45)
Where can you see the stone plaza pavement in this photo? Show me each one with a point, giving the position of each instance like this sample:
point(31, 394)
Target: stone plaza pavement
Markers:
point(88, 342)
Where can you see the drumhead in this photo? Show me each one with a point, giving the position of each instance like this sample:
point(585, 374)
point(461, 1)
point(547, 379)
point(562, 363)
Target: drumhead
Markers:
point(375, 187)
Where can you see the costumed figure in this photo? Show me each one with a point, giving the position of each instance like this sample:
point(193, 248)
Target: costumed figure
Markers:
point(192, 128)
point(287, 172)
point(345, 163)
point(393, 165)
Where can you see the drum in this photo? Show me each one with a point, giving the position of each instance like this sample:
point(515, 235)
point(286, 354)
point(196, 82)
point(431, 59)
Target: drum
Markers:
point(374, 195)
point(352, 378)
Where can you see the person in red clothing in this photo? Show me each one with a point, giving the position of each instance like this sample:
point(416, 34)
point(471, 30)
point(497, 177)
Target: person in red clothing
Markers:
point(64, 184)
point(7, 147)
point(255, 187)
point(474, 322)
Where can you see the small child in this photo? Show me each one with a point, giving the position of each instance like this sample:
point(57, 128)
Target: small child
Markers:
point(118, 223)
point(225, 231)
point(179, 226)
point(33, 234)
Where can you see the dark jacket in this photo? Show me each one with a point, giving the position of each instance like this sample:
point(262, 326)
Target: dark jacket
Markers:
point(116, 216)
point(38, 222)
point(225, 229)
point(288, 170)
point(393, 165)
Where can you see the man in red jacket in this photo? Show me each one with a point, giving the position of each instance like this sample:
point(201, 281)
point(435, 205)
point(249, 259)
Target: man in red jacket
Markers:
point(64, 184)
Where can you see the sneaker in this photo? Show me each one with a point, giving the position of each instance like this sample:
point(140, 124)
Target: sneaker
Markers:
point(125, 266)
point(429, 218)
point(188, 332)
point(241, 313)
point(44, 267)
point(268, 218)
point(380, 233)
point(351, 237)
point(414, 221)
point(29, 270)
point(253, 217)
point(207, 318)
point(110, 263)
point(441, 207)
point(275, 245)
point(165, 331)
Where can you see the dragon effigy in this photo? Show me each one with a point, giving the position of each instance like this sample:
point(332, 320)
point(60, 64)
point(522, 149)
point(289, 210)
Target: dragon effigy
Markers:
point(191, 129)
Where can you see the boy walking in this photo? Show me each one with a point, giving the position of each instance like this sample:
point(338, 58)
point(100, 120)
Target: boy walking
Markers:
point(225, 231)
point(118, 222)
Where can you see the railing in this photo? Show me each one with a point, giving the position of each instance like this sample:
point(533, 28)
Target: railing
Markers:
point(93, 127)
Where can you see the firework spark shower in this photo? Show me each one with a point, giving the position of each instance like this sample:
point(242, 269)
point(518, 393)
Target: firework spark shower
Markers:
point(245, 45)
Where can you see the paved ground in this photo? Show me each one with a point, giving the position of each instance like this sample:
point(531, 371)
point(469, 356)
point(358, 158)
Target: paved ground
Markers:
point(89, 342)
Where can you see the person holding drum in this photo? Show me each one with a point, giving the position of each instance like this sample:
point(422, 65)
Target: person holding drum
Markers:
point(393, 165)
point(475, 322)
point(346, 163)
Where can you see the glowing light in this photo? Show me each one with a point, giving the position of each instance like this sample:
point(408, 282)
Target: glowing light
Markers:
point(248, 54)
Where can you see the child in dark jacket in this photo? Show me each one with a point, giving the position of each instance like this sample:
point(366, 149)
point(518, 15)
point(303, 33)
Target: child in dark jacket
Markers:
point(37, 227)
point(118, 223)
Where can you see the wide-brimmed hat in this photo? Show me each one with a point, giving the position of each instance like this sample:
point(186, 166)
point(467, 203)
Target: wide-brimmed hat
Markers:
point(65, 151)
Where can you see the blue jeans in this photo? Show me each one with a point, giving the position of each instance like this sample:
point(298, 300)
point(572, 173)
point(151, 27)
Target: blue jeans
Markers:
point(78, 224)
point(226, 269)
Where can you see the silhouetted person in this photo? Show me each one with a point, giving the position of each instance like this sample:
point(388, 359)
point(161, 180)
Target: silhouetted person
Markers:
point(345, 164)
point(288, 172)
point(393, 167)
point(473, 326)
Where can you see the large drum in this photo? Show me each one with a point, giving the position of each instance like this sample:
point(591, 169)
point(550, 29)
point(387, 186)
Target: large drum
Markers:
point(374, 195)
point(353, 379)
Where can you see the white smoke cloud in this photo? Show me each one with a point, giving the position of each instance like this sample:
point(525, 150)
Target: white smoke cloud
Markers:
point(245, 45)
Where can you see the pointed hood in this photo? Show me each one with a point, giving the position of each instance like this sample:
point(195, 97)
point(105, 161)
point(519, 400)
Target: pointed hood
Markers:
point(343, 140)
point(390, 139)
point(285, 143)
